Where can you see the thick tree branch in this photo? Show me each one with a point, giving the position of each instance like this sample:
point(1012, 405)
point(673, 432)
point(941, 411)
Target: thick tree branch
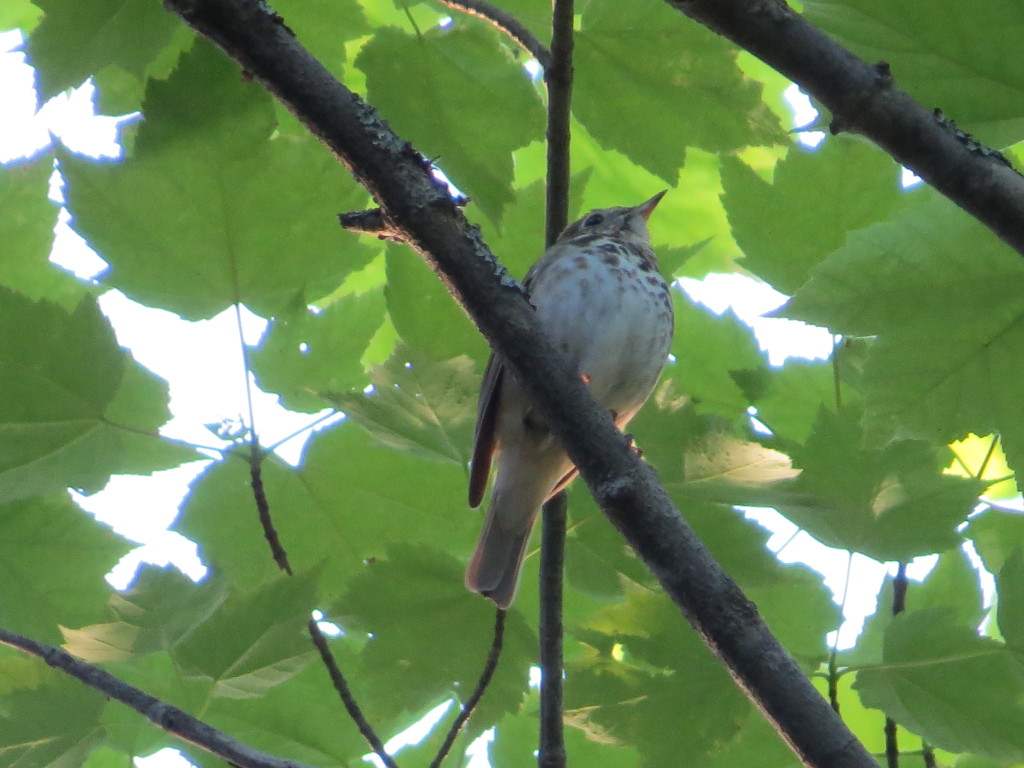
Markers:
point(627, 490)
point(864, 99)
point(171, 719)
point(507, 23)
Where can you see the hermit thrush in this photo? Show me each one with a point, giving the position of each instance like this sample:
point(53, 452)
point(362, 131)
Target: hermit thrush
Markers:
point(600, 297)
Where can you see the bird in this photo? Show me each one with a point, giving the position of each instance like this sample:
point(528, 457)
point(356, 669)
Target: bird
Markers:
point(599, 295)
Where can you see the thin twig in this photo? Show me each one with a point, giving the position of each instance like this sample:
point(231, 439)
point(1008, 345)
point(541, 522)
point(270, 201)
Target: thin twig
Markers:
point(899, 590)
point(988, 456)
point(263, 507)
point(833, 657)
point(370, 222)
point(326, 655)
point(165, 716)
point(929, 756)
point(558, 77)
point(485, 679)
point(307, 428)
point(899, 603)
point(342, 687)
point(837, 346)
point(552, 555)
point(507, 23)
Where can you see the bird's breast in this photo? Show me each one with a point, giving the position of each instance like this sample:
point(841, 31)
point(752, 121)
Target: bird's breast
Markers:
point(610, 311)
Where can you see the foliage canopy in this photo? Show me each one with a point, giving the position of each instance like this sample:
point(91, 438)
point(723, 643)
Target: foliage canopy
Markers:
point(224, 199)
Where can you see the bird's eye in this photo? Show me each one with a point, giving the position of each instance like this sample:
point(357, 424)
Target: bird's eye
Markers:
point(593, 220)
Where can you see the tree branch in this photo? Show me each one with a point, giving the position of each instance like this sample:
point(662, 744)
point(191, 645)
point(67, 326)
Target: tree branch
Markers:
point(341, 686)
point(345, 693)
point(899, 603)
point(507, 23)
point(558, 77)
point(626, 489)
point(552, 555)
point(171, 719)
point(485, 679)
point(864, 99)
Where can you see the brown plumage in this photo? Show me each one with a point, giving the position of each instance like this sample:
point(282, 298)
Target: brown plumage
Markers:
point(599, 295)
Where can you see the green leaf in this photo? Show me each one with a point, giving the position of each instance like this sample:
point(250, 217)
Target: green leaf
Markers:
point(20, 14)
point(623, 692)
point(34, 732)
point(26, 230)
point(952, 583)
point(415, 587)
point(996, 536)
point(685, 84)
point(518, 243)
point(59, 371)
point(946, 300)
point(253, 642)
point(424, 313)
point(711, 349)
point(350, 500)
point(305, 354)
point(134, 418)
point(515, 743)
point(316, 733)
point(79, 409)
point(161, 607)
point(793, 396)
point(703, 458)
point(206, 154)
point(930, 267)
point(52, 563)
point(324, 26)
point(459, 97)
point(757, 744)
point(785, 228)
point(939, 679)
point(867, 723)
point(78, 37)
point(1011, 590)
point(691, 214)
point(973, 70)
point(419, 406)
point(890, 503)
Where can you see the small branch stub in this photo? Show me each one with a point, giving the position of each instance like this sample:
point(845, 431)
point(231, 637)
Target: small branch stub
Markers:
point(370, 222)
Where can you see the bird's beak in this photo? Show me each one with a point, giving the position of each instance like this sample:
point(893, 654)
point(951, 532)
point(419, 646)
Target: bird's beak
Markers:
point(644, 209)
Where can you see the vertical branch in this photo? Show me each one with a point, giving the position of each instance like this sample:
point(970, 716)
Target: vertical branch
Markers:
point(833, 657)
point(558, 76)
point(552, 554)
point(899, 602)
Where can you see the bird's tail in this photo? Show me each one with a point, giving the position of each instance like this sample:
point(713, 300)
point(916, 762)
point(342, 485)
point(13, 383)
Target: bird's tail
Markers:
point(498, 559)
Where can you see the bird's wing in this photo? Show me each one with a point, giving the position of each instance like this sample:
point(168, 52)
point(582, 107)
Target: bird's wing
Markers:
point(487, 408)
point(483, 441)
